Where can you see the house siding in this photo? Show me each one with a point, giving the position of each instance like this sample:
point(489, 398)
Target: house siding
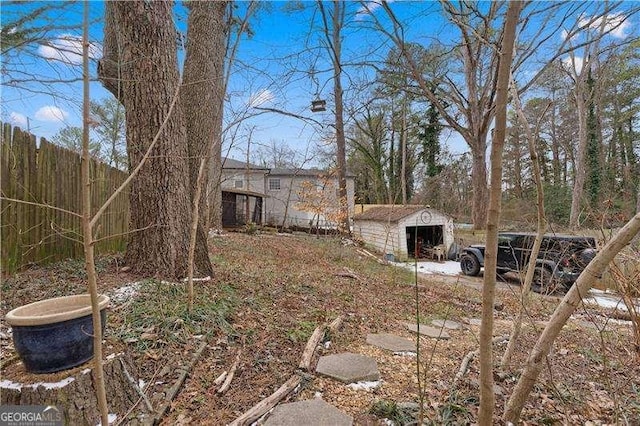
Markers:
point(287, 198)
point(284, 201)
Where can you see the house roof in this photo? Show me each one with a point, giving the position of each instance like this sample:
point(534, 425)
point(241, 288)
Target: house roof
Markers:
point(230, 163)
point(302, 172)
point(389, 213)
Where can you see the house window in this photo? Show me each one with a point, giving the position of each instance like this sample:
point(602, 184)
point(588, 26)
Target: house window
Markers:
point(274, 184)
point(239, 184)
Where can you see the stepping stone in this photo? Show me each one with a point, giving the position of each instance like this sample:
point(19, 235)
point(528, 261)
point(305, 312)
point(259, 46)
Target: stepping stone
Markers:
point(314, 412)
point(349, 368)
point(448, 324)
point(429, 331)
point(391, 342)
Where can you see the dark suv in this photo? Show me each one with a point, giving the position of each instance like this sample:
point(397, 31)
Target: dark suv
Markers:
point(560, 261)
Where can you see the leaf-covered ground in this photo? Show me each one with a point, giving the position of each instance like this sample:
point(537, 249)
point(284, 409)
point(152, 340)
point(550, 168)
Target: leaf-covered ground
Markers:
point(270, 291)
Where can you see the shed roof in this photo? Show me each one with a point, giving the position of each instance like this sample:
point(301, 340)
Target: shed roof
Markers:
point(389, 213)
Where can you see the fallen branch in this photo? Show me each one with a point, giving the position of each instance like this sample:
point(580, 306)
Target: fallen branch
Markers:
point(309, 350)
point(220, 378)
point(336, 324)
point(173, 391)
point(258, 410)
point(464, 365)
point(348, 273)
point(136, 386)
point(261, 408)
point(232, 372)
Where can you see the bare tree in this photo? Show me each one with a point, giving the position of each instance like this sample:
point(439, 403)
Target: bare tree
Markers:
point(135, 32)
point(333, 22)
point(487, 397)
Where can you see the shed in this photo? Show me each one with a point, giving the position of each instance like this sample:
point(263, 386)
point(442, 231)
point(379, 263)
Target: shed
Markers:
point(405, 230)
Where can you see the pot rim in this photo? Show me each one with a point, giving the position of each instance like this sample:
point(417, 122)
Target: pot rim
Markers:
point(54, 310)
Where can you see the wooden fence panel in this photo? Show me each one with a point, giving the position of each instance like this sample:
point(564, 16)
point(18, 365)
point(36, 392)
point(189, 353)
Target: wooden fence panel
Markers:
point(50, 175)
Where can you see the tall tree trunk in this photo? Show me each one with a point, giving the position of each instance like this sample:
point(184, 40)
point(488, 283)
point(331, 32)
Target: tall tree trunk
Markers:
point(487, 397)
point(202, 100)
point(579, 165)
point(140, 68)
point(480, 194)
point(531, 137)
point(537, 358)
point(403, 151)
point(334, 39)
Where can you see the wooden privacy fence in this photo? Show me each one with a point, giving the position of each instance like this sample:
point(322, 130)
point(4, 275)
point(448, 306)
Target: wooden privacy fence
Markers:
point(50, 175)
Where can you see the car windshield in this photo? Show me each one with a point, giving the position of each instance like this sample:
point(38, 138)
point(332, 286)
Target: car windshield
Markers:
point(505, 239)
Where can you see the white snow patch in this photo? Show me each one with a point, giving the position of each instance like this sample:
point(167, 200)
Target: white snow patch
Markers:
point(405, 353)
point(111, 418)
point(57, 385)
point(125, 292)
point(86, 370)
point(112, 356)
point(608, 300)
point(448, 267)
point(8, 384)
point(365, 385)
point(207, 278)
point(327, 344)
point(141, 384)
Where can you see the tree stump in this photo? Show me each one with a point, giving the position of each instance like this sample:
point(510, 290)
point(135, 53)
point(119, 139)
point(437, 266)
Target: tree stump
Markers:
point(73, 391)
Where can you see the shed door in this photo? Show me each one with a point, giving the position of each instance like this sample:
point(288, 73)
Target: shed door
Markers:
point(420, 238)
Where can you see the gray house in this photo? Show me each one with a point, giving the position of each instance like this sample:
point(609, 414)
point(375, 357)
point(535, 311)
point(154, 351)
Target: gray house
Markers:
point(251, 193)
point(405, 230)
point(243, 196)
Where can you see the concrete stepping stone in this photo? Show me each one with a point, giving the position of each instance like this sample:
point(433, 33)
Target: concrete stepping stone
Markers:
point(427, 330)
point(349, 368)
point(448, 324)
point(391, 342)
point(313, 412)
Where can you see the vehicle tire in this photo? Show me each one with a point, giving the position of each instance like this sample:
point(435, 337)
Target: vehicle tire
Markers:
point(500, 272)
point(543, 281)
point(470, 265)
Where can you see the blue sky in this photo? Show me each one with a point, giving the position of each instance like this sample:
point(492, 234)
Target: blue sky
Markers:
point(273, 69)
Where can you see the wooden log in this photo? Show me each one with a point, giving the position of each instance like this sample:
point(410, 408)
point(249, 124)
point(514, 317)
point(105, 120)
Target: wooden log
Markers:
point(73, 391)
point(232, 372)
point(261, 408)
point(309, 350)
point(258, 410)
point(173, 390)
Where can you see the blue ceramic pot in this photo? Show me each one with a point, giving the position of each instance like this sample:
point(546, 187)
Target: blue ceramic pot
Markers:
point(55, 334)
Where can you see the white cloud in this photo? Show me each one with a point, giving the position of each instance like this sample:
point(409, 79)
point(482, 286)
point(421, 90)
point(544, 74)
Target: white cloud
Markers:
point(564, 34)
point(19, 120)
point(51, 113)
point(260, 98)
point(617, 25)
point(369, 8)
point(68, 49)
point(574, 65)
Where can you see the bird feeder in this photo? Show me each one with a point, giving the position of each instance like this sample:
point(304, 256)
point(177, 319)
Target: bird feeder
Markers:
point(318, 105)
